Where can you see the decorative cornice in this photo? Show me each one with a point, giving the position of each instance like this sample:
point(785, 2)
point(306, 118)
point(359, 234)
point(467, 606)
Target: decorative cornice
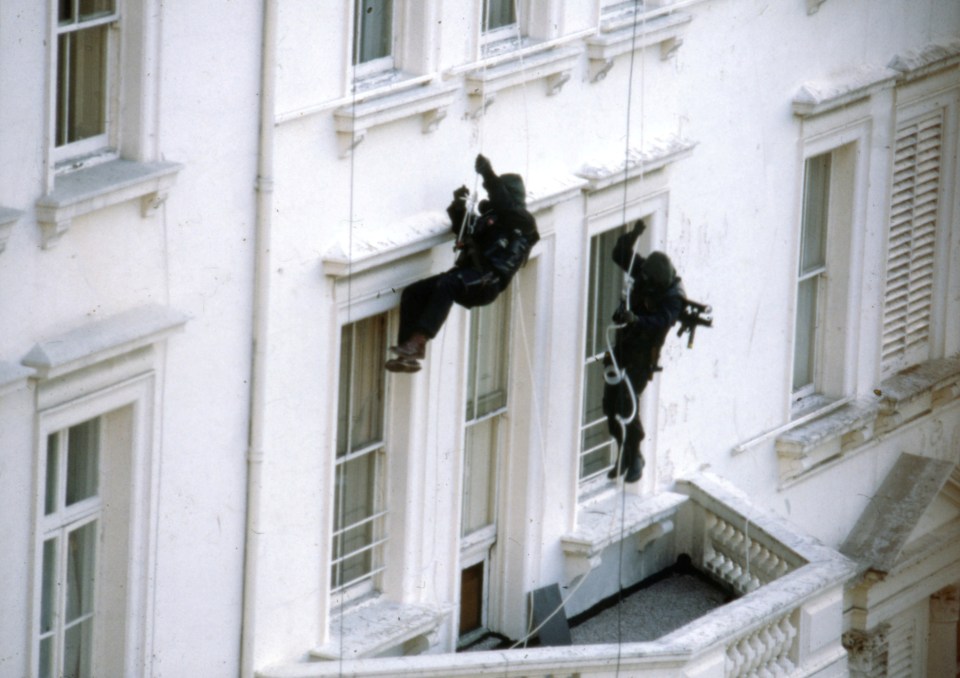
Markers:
point(102, 340)
point(820, 96)
point(639, 161)
point(933, 57)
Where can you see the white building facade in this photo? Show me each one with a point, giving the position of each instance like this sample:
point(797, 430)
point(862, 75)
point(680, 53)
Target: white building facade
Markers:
point(208, 213)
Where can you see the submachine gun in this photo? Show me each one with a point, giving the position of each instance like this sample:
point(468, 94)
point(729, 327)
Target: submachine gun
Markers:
point(694, 315)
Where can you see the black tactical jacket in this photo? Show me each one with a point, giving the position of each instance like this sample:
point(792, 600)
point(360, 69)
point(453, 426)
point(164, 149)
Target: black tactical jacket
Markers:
point(502, 235)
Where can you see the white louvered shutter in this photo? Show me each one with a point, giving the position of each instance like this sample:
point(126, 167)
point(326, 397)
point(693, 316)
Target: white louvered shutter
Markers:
point(914, 207)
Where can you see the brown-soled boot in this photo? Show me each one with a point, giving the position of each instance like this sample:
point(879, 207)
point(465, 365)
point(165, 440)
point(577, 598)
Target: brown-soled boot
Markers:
point(404, 365)
point(414, 347)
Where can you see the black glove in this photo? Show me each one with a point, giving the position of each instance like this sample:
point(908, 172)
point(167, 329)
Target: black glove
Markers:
point(623, 315)
point(461, 193)
point(638, 228)
point(482, 165)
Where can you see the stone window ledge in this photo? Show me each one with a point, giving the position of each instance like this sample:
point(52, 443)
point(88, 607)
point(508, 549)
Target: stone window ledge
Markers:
point(430, 102)
point(917, 391)
point(616, 38)
point(901, 399)
point(640, 161)
point(825, 438)
point(934, 57)
point(601, 524)
point(94, 188)
point(553, 66)
point(102, 340)
point(8, 217)
point(375, 627)
point(821, 96)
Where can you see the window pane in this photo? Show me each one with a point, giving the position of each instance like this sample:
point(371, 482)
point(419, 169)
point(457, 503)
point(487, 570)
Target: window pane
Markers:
point(83, 461)
point(81, 552)
point(488, 362)
point(65, 13)
point(374, 36)
point(343, 399)
point(93, 9)
point(816, 194)
point(53, 473)
point(805, 344)
point(355, 499)
point(360, 411)
point(48, 591)
point(606, 285)
point(81, 84)
point(76, 651)
point(479, 475)
point(498, 13)
point(46, 658)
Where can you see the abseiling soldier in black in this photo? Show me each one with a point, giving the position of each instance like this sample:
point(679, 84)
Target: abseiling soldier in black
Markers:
point(491, 252)
point(656, 300)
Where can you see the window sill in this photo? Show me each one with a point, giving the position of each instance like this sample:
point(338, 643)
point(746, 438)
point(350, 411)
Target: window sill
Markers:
point(378, 626)
point(430, 102)
point(619, 37)
point(553, 66)
point(100, 341)
point(8, 217)
point(640, 161)
point(94, 188)
point(599, 525)
point(903, 398)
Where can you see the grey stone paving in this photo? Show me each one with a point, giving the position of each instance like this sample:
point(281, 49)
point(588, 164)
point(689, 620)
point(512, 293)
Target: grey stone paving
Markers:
point(646, 614)
point(651, 612)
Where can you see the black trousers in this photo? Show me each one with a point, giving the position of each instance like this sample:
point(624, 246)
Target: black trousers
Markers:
point(617, 401)
point(425, 304)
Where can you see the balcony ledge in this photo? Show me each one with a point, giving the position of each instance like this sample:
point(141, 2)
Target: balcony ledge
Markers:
point(375, 627)
point(614, 518)
point(94, 188)
point(616, 39)
point(430, 102)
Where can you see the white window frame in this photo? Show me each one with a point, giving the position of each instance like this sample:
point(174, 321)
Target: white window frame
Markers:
point(369, 73)
point(506, 38)
point(124, 510)
point(103, 146)
point(593, 361)
point(608, 213)
point(815, 275)
point(836, 370)
point(476, 545)
point(370, 583)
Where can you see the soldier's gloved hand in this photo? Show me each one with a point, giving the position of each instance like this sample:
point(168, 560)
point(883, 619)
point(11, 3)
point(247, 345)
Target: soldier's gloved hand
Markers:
point(623, 315)
point(461, 193)
point(638, 228)
point(482, 165)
